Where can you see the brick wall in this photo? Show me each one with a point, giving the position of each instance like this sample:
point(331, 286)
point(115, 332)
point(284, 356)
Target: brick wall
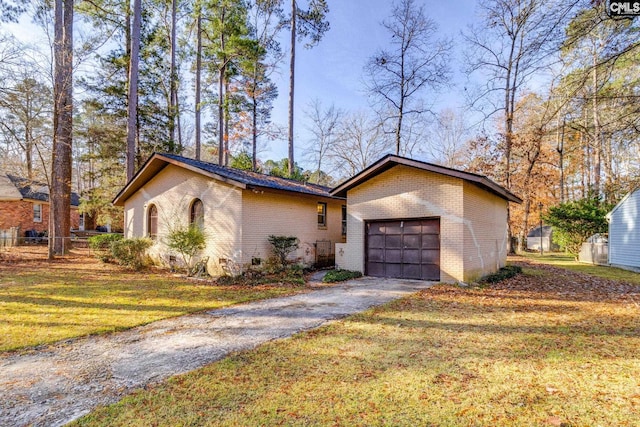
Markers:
point(20, 214)
point(485, 232)
point(172, 191)
point(403, 192)
point(236, 222)
point(465, 211)
point(266, 213)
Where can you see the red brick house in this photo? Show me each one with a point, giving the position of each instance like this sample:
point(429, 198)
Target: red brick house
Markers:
point(25, 204)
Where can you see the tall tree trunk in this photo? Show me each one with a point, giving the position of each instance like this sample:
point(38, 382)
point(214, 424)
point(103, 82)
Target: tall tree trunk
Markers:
point(532, 157)
point(254, 131)
point(179, 147)
point(560, 150)
point(28, 145)
point(198, 79)
point(226, 122)
point(597, 138)
point(586, 144)
point(292, 71)
point(60, 200)
point(173, 77)
point(221, 73)
point(132, 112)
point(399, 125)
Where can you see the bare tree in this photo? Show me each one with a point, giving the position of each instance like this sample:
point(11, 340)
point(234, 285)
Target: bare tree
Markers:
point(599, 53)
point(397, 77)
point(516, 40)
point(362, 141)
point(60, 225)
point(324, 127)
point(25, 105)
point(9, 53)
point(450, 135)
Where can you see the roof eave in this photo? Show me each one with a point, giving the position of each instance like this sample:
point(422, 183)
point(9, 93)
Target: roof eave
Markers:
point(615, 208)
point(155, 164)
point(390, 160)
point(292, 191)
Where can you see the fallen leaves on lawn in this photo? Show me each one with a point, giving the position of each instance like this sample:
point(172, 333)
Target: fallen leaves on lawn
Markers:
point(558, 283)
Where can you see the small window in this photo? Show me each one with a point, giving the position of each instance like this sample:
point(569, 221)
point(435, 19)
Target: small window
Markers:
point(344, 220)
point(37, 212)
point(152, 224)
point(197, 213)
point(322, 214)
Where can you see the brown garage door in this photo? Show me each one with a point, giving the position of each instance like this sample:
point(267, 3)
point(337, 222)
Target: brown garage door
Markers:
point(404, 249)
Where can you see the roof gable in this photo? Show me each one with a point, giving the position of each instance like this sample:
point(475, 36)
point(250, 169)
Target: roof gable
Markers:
point(389, 161)
point(16, 188)
point(629, 195)
point(8, 191)
point(232, 176)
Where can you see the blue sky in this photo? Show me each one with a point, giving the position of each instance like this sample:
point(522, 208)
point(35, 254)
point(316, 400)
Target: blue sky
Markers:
point(333, 70)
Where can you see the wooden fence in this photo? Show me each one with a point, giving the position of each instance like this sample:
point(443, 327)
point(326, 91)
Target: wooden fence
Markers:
point(9, 237)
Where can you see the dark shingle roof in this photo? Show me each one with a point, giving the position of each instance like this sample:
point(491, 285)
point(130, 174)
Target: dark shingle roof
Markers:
point(241, 178)
point(34, 190)
point(254, 179)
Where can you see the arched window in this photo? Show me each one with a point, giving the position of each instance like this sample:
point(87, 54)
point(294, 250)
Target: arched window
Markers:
point(197, 213)
point(152, 222)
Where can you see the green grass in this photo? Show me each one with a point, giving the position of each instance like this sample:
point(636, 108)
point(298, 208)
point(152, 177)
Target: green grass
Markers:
point(46, 302)
point(499, 356)
point(569, 262)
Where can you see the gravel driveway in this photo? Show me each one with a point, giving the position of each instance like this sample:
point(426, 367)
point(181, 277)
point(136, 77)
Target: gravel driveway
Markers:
point(57, 384)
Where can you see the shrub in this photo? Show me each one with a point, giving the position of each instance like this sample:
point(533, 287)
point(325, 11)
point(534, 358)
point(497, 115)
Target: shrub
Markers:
point(291, 275)
point(575, 221)
point(504, 273)
point(282, 246)
point(101, 245)
point(131, 252)
point(187, 241)
point(340, 275)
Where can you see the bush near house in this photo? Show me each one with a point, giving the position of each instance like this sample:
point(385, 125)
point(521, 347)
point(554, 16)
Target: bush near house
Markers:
point(340, 275)
point(504, 273)
point(187, 241)
point(282, 246)
point(101, 245)
point(290, 275)
point(131, 253)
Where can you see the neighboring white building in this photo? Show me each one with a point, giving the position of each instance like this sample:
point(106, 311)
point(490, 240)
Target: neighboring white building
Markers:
point(624, 232)
point(534, 239)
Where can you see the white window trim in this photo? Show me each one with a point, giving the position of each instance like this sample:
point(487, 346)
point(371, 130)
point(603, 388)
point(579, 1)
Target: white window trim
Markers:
point(39, 218)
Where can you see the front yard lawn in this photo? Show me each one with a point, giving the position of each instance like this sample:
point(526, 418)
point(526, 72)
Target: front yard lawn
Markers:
point(569, 262)
point(549, 347)
point(42, 302)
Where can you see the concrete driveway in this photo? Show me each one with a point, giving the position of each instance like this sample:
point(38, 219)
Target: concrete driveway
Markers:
point(59, 383)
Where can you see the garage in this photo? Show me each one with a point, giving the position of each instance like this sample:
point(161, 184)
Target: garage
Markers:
point(406, 249)
point(410, 219)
